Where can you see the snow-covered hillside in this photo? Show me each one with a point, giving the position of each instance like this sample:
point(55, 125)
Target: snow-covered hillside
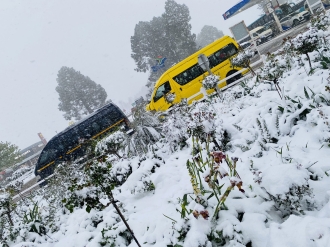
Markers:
point(248, 169)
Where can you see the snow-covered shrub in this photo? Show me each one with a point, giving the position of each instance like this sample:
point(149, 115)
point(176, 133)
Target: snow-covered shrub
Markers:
point(289, 190)
point(94, 186)
point(321, 21)
point(307, 42)
point(202, 121)
point(21, 222)
point(14, 186)
point(116, 233)
point(242, 60)
point(213, 177)
point(210, 82)
point(182, 122)
point(274, 68)
point(295, 109)
point(112, 144)
point(147, 129)
point(175, 127)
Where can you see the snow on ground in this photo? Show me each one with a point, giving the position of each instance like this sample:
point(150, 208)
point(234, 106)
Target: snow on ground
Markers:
point(283, 151)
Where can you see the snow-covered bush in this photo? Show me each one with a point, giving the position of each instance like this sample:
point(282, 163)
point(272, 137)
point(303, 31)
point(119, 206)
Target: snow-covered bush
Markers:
point(321, 21)
point(292, 193)
point(274, 68)
point(22, 221)
point(147, 128)
point(307, 42)
point(202, 121)
point(94, 187)
point(242, 60)
point(210, 82)
point(112, 144)
point(175, 127)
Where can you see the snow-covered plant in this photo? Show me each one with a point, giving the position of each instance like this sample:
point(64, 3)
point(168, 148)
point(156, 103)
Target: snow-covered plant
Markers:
point(213, 176)
point(210, 82)
point(94, 186)
point(321, 21)
point(18, 222)
point(266, 136)
point(214, 168)
point(242, 60)
point(147, 129)
point(32, 218)
point(295, 109)
point(175, 127)
point(116, 234)
point(307, 42)
point(274, 68)
point(6, 207)
point(289, 190)
point(295, 201)
point(202, 121)
point(112, 144)
point(14, 186)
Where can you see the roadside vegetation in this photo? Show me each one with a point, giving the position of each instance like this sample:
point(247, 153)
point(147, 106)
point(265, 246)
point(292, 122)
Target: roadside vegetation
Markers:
point(248, 167)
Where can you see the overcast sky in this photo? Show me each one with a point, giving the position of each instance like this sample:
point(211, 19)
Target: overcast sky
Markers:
point(38, 37)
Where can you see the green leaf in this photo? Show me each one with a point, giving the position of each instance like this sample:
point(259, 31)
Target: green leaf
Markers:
point(88, 209)
point(306, 93)
point(210, 196)
point(281, 109)
point(313, 94)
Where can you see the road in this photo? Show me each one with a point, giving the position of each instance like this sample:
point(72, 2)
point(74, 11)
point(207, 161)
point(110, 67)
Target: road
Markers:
point(274, 44)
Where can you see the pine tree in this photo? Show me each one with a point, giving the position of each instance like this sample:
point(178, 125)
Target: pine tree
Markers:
point(168, 36)
point(78, 94)
point(181, 42)
point(207, 35)
point(9, 155)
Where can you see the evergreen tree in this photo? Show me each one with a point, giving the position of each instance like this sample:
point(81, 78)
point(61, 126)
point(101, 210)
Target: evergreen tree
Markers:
point(9, 155)
point(207, 35)
point(78, 94)
point(168, 36)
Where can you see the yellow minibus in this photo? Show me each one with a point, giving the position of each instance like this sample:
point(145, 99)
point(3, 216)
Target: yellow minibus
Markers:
point(184, 79)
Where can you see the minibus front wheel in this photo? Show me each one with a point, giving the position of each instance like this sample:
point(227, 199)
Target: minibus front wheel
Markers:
point(235, 78)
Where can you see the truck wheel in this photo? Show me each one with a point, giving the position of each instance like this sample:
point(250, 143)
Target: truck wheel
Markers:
point(235, 78)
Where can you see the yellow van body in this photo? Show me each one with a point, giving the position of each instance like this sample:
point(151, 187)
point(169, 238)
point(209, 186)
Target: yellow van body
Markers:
point(184, 79)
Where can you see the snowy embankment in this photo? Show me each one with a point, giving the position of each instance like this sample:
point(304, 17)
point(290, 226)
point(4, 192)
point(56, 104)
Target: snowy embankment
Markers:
point(268, 185)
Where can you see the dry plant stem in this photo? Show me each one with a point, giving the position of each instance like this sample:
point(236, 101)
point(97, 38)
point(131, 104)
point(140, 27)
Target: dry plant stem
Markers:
point(278, 89)
point(123, 219)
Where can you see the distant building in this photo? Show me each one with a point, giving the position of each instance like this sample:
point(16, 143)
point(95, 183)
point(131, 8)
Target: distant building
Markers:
point(30, 154)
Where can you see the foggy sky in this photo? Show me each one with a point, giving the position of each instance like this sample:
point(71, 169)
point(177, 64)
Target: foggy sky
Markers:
point(39, 37)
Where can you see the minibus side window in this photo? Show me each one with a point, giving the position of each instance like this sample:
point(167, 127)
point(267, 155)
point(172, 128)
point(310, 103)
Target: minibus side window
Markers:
point(188, 75)
point(162, 90)
point(222, 55)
